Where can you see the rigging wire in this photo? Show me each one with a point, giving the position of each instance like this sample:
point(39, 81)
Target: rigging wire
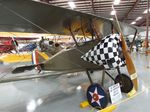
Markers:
point(20, 16)
point(117, 21)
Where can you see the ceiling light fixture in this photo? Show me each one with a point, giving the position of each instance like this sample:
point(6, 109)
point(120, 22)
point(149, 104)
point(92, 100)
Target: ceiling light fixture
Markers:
point(133, 22)
point(79, 87)
point(113, 12)
point(36, 0)
point(146, 11)
point(72, 5)
point(116, 2)
point(138, 18)
point(111, 19)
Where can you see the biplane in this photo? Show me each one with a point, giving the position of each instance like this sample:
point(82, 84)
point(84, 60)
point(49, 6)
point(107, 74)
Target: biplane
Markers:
point(9, 44)
point(37, 17)
point(28, 48)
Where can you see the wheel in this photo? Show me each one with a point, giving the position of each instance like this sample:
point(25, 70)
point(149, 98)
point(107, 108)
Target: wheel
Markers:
point(125, 83)
point(96, 96)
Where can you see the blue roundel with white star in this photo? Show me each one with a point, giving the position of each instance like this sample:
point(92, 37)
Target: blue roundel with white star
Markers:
point(97, 97)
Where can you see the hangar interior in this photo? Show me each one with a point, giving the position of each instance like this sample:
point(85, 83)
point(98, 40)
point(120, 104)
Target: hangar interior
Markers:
point(74, 55)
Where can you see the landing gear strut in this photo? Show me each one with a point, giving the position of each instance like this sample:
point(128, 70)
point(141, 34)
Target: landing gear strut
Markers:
point(96, 94)
point(124, 81)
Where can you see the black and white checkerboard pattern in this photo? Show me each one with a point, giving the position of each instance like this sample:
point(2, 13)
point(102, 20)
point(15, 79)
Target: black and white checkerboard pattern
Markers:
point(108, 52)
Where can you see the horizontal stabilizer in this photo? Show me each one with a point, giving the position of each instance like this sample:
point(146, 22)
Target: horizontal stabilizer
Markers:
point(23, 68)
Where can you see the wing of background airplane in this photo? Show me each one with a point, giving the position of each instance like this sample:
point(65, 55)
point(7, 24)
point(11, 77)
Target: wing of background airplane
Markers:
point(18, 38)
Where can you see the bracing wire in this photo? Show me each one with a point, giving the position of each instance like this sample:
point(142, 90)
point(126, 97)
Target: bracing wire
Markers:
point(117, 21)
point(20, 16)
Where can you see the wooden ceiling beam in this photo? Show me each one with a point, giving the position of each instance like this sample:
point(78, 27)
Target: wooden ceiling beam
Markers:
point(141, 22)
point(127, 14)
point(95, 5)
point(92, 4)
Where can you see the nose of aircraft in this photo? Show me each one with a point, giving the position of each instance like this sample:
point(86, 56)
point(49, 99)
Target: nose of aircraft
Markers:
point(107, 53)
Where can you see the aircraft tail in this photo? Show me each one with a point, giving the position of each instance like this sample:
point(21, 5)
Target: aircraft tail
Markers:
point(23, 68)
point(34, 57)
point(37, 62)
point(38, 57)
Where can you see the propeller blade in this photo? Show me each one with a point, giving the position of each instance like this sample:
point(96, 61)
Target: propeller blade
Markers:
point(129, 63)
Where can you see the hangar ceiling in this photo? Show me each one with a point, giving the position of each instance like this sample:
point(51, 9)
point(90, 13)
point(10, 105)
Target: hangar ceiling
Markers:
point(127, 11)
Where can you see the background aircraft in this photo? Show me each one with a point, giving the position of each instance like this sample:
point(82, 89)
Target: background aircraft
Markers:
point(28, 48)
point(8, 44)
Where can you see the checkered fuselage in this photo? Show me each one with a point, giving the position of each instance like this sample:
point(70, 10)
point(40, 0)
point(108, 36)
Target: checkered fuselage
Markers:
point(108, 52)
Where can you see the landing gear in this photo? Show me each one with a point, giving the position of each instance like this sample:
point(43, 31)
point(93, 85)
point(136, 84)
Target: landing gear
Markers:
point(125, 83)
point(97, 97)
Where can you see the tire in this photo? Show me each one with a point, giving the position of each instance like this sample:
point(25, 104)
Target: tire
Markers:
point(97, 96)
point(125, 83)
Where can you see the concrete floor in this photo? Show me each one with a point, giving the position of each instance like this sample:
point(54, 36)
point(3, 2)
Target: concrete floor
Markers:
point(64, 93)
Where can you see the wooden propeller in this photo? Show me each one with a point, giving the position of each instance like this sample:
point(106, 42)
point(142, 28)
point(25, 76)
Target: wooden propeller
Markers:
point(129, 63)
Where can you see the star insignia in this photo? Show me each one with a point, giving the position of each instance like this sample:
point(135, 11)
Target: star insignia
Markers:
point(96, 97)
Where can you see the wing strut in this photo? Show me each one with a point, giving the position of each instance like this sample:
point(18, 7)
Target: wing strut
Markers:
point(89, 77)
point(82, 30)
point(94, 30)
point(129, 63)
point(73, 37)
point(133, 40)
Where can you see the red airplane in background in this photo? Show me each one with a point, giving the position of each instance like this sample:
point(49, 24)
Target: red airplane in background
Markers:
point(9, 44)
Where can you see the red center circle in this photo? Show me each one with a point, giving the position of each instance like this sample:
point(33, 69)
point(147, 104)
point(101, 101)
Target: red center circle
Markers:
point(95, 97)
